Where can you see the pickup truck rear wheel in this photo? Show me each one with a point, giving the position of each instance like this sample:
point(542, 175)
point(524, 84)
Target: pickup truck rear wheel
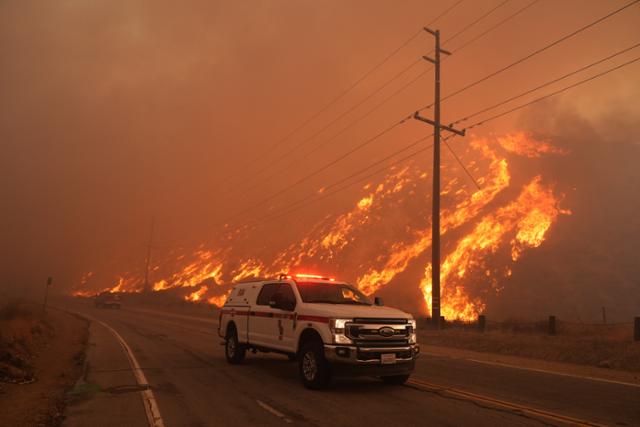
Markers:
point(233, 350)
point(396, 379)
point(314, 368)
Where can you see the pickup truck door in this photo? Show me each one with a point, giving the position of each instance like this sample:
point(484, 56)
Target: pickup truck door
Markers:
point(283, 338)
point(263, 326)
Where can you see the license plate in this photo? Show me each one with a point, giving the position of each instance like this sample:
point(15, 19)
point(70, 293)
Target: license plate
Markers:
point(387, 358)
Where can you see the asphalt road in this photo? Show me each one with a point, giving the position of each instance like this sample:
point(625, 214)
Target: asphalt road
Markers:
point(184, 364)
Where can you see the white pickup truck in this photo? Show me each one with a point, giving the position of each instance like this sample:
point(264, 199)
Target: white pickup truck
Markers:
point(329, 327)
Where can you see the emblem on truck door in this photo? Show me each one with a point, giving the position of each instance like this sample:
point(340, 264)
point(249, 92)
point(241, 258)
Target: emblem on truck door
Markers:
point(386, 332)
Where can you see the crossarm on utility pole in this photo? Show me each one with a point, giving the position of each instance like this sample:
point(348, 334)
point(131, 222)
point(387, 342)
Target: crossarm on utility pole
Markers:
point(417, 116)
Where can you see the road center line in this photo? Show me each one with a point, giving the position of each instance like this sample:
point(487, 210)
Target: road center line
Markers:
point(490, 401)
point(148, 399)
point(274, 411)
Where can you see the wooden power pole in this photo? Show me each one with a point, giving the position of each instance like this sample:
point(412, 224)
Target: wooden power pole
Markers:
point(435, 213)
point(147, 285)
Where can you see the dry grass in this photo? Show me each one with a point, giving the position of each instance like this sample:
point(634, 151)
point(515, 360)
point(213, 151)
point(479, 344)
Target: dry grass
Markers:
point(14, 309)
point(41, 356)
point(606, 346)
point(23, 332)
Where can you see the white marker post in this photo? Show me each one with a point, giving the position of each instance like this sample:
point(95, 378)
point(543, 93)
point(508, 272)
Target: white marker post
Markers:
point(46, 293)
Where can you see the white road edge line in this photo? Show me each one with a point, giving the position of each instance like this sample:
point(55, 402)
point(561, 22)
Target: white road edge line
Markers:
point(148, 399)
point(544, 371)
point(273, 411)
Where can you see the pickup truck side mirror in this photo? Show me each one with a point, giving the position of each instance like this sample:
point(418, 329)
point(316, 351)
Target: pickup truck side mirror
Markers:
point(378, 301)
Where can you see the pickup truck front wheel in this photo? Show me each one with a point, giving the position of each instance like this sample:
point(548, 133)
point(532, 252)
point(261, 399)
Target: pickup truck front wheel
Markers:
point(233, 351)
point(314, 368)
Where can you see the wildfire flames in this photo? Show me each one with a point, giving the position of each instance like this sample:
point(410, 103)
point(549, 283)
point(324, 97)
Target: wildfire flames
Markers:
point(388, 230)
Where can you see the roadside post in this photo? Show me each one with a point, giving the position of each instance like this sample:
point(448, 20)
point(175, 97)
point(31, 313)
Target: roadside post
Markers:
point(636, 329)
point(46, 293)
point(482, 322)
point(552, 325)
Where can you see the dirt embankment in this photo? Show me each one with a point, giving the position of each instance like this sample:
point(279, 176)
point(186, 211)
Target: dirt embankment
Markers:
point(41, 356)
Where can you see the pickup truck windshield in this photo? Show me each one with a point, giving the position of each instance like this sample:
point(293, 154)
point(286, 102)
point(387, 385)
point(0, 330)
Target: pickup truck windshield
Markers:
point(331, 293)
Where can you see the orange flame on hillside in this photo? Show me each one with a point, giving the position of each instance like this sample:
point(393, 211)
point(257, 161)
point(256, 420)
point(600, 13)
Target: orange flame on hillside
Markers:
point(530, 216)
point(381, 235)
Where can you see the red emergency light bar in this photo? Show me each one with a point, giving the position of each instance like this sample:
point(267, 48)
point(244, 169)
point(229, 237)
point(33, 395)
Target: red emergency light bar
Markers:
point(306, 276)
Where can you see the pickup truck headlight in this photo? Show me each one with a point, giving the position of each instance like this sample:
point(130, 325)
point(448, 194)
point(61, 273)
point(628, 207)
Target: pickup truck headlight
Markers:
point(337, 328)
point(413, 339)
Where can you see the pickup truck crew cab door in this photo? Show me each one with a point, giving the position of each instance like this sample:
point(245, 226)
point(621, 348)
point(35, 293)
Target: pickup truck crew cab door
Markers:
point(262, 324)
point(283, 338)
point(271, 325)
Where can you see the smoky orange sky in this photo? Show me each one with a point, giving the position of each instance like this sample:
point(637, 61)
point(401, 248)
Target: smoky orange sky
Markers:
point(114, 113)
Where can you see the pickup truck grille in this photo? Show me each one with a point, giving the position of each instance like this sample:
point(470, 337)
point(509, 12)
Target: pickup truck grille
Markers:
point(380, 321)
point(374, 333)
point(379, 332)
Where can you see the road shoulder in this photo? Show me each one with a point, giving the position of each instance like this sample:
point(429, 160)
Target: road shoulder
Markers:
point(107, 393)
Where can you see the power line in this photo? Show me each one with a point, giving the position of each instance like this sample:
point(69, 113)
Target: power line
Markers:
point(370, 111)
point(402, 88)
point(489, 12)
point(402, 120)
point(506, 101)
point(461, 164)
point(445, 12)
point(351, 124)
point(480, 123)
point(316, 172)
point(340, 116)
point(359, 172)
point(557, 92)
point(534, 53)
point(466, 44)
point(493, 27)
point(360, 146)
point(340, 96)
point(380, 104)
point(324, 195)
point(357, 82)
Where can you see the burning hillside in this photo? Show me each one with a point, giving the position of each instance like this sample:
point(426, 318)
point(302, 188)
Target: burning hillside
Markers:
point(387, 231)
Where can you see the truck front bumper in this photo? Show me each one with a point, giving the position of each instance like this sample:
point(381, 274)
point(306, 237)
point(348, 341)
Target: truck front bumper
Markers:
point(364, 360)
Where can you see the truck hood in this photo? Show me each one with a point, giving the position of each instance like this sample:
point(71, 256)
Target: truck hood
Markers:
point(349, 311)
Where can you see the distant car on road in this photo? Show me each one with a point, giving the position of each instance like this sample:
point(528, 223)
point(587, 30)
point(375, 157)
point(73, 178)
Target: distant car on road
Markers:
point(107, 300)
point(329, 327)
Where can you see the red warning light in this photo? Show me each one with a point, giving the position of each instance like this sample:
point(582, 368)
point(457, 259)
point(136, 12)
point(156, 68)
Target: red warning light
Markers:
point(306, 276)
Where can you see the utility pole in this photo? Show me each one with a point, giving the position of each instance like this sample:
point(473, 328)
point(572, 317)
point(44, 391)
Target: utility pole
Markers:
point(147, 286)
point(435, 213)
